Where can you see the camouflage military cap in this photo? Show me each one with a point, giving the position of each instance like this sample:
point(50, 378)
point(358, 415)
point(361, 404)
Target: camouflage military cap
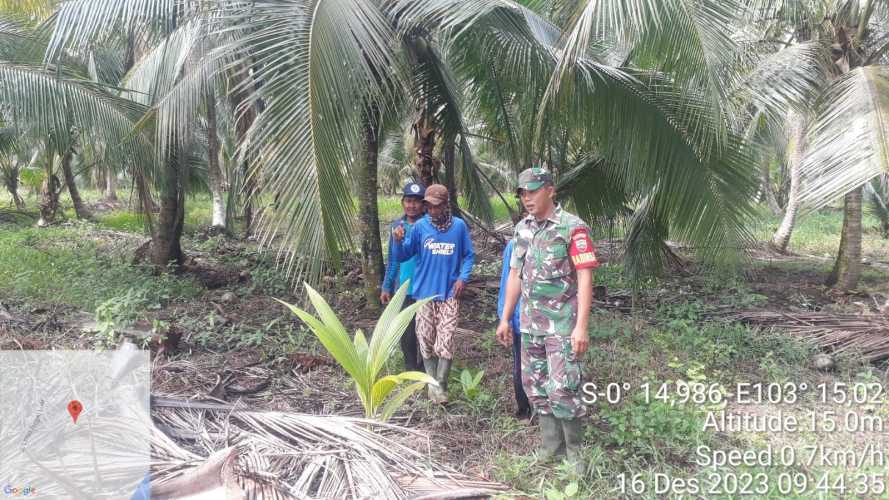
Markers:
point(534, 178)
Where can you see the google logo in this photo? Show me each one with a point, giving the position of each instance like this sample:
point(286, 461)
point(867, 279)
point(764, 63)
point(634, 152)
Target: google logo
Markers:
point(16, 491)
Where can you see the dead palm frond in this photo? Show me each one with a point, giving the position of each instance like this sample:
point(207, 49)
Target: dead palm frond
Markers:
point(292, 455)
point(864, 336)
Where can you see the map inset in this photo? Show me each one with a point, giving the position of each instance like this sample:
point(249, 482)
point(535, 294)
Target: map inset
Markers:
point(74, 424)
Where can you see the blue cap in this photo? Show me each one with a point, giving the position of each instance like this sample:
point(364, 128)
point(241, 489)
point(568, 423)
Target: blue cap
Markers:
point(414, 189)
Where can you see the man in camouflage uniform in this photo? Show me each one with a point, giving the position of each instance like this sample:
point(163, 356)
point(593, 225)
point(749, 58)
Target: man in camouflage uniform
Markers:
point(552, 268)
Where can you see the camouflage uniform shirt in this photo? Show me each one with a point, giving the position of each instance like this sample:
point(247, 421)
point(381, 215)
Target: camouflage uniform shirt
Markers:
point(548, 252)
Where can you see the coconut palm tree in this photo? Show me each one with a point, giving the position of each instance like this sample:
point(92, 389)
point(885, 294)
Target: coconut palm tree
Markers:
point(54, 104)
point(622, 132)
point(637, 105)
point(796, 127)
point(10, 165)
point(847, 141)
point(170, 73)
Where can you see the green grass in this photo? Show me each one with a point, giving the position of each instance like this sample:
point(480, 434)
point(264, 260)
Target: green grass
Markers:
point(71, 265)
point(122, 221)
point(818, 233)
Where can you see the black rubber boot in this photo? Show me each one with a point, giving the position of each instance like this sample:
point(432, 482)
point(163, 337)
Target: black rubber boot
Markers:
point(412, 360)
point(443, 371)
point(573, 432)
point(552, 442)
point(431, 364)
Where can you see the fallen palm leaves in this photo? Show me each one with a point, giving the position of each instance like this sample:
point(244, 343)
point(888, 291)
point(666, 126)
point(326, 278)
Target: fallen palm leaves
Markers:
point(864, 336)
point(273, 455)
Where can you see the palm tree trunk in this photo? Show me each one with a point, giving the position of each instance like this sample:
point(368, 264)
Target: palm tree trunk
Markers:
point(97, 177)
point(49, 192)
point(767, 192)
point(847, 268)
point(11, 180)
point(795, 149)
point(449, 149)
point(20, 202)
point(146, 203)
point(424, 130)
point(214, 172)
point(79, 206)
point(165, 242)
point(110, 185)
point(369, 220)
point(245, 118)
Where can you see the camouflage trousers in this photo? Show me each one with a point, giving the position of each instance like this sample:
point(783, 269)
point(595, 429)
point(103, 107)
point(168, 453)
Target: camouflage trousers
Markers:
point(551, 375)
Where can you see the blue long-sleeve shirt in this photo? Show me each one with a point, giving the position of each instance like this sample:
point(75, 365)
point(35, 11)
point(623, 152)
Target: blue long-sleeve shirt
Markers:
point(442, 257)
point(504, 277)
point(398, 272)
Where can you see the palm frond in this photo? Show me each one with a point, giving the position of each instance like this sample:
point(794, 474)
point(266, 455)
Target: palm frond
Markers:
point(394, 166)
point(597, 188)
point(877, 192)
point(658, 133)
point(46, 103)
point(849, 141)
point(435, 86)
point(33, 9)
point(19, 42)
point(791, 77)
point(315, 83)
point(688, 40)
point(289, 455)
point(503, 51)
point(172, 80)
point(703, 195)
point(77, 24)
point(646, 251)
point(796, 13)
point(8, 140)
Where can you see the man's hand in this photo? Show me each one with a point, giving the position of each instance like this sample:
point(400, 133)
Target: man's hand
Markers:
point(459, 285)
point(580, 341)
point(504, 334)
point(398, 232)
point(385, 297)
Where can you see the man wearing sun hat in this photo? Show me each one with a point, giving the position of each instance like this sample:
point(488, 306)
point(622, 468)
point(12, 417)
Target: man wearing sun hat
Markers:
point(552, 270)
point(445, 257)
point(397, 273)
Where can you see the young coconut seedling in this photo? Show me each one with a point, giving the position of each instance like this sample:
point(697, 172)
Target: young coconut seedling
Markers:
point(364, 361)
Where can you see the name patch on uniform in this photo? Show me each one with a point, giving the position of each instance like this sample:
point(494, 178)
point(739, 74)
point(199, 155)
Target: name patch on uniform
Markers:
point(581, 250)
point(438, 248)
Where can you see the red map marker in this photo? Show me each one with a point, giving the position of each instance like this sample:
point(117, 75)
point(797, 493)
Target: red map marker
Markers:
point(74, 408)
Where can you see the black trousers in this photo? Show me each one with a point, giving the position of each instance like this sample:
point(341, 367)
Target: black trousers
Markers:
point(521, 399)
point(412, 360)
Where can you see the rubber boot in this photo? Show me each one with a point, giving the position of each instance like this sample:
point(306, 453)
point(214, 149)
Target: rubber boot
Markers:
point(552, 444)
point(430, 365)
point(573, 431)
point(444, 370)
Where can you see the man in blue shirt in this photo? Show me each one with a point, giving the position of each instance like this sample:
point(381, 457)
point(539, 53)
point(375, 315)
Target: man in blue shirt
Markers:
point(523, 407)
point(397, 273)
point(445, 256)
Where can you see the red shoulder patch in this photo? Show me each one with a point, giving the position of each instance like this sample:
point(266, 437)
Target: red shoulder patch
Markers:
point(581, 250)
